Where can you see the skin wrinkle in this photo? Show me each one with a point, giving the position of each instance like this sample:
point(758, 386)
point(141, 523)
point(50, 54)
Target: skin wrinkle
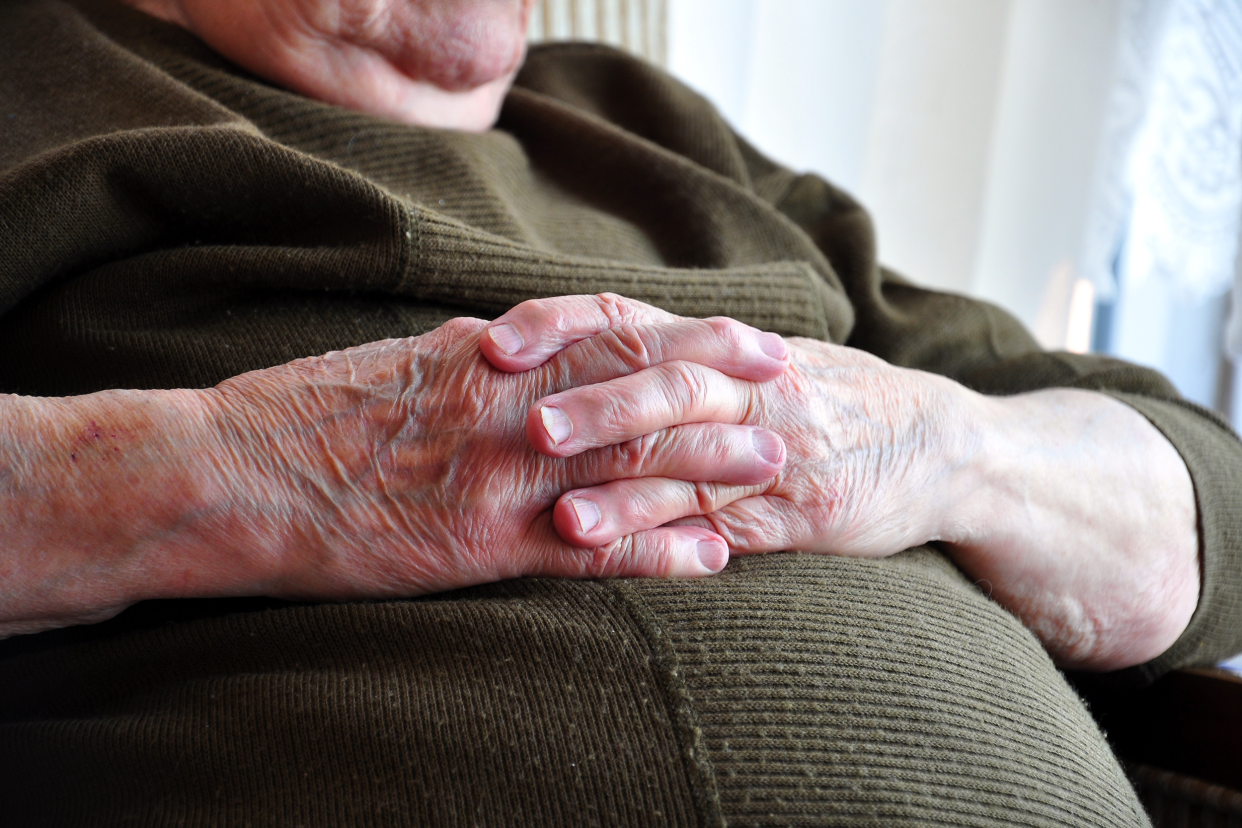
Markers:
point(301, 457)
point(351, 369)
point(606, 561)
point(879, 454)
point(704, 497)
point(382, 485)
point(744, 529)
point(465, 500)
point(684, 387)
point(427, 412)
point(371, 18)
point(303, 481)
point(893, 456)
point(849, 480)
point(630, 348)
point(614, 308)
point(643, 451)
point(335, 463)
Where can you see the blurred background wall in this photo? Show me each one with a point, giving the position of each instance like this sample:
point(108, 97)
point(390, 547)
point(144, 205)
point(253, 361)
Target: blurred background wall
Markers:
point(1000, 145)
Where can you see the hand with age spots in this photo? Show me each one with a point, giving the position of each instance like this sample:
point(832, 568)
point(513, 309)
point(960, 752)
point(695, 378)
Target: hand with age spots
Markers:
point(397, 468)
point(1072, 507)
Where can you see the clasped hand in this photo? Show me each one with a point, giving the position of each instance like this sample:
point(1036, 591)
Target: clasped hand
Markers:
point(651, 445)
point(614, 440)
point(1068, 507)
point(619, 440)
point(866, 454)
point(403, 467)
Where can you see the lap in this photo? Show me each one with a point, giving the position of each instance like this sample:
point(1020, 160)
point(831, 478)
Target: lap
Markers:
point(787, 689)
point(881, 692)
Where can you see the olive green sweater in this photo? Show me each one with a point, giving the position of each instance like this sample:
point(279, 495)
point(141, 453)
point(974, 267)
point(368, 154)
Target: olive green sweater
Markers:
point(167, 220)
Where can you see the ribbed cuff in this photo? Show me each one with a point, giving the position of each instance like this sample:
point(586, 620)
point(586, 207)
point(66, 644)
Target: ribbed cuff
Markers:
point(1213, 455)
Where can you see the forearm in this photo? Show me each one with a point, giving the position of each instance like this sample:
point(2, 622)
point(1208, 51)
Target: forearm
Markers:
point(108, 499)
point(1081, 520)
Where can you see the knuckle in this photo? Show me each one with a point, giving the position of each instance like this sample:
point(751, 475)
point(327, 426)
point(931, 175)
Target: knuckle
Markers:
point(753, 405)
point(685, 383)
point(460, 326)
point(739, 534)
point(545, 316)
point(528, 307)
point(705, 498)
point(734, 334)
point(560, 321)
point(611, 559)
point(615, 308)
point(628, 344)
point(669, 388)
point(635, 456)
point(721, 525)
point(619, 309)
point(611, 413)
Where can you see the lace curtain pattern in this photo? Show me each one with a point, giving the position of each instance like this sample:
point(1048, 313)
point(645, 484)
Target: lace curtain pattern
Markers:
point(1168, 201)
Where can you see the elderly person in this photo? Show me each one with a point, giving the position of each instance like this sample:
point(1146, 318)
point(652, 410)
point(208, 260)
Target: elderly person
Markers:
point(172, 221)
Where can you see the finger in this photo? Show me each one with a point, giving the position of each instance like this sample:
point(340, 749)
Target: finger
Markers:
point(679, 552)
point(723, 344)
point(602, 514)
point(670, 394)
point(763, 524)
point(623, 347)
point(698, 452)
point(531, 333)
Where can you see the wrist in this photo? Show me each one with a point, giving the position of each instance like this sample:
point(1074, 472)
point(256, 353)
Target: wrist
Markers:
point(985, 473)
point(959, 446)
point(1082, 522)
point(242, 532)
point(103, 495)
point(273, 514)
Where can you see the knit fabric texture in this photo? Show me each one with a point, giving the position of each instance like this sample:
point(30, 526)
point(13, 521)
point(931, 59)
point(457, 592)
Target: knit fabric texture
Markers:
point(167, 220)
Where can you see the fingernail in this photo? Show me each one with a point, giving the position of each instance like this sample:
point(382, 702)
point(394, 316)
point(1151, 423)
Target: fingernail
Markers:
point(772, 345)
point(587, 512)
point(767, 445)
point(507, 338)
point(556, 424)
point(712, 554)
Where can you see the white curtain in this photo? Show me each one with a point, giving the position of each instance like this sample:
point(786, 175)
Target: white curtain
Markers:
point(1168, 201)
point(637, 26)
point(1169, 196)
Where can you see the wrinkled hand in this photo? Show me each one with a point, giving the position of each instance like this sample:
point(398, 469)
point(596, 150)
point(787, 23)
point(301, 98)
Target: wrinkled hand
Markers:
point(1067, 506)
point(402, 467)
point(871, 448)
point(436, 63)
